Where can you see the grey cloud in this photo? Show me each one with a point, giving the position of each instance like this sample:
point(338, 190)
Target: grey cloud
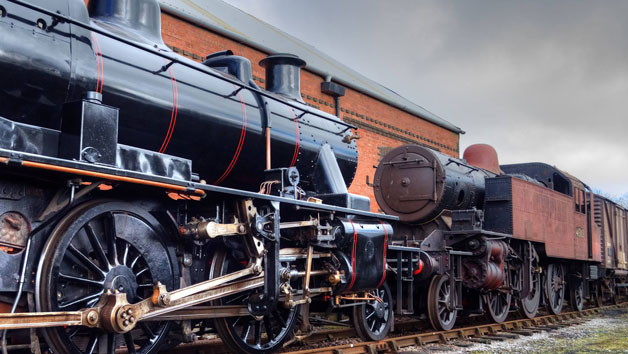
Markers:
point(539, 80)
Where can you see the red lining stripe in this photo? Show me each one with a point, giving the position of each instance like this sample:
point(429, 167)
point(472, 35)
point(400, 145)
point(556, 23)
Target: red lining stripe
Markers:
point(100, 78)
point(240, 143)
point(175, 110)
point(353, 255)
point(381, 282)
point(297, 139)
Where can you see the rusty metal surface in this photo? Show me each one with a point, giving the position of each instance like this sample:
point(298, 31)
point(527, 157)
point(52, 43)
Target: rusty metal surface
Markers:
point(44, 319)
point(543, 215)
point(611, 227)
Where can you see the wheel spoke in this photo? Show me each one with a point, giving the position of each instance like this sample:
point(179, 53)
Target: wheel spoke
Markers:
point(141, 272)
point(128, 339)
point(258, 332)
point(81, 280)
point(111, 341)
point(110, 231)
point(84, 260)
point(147, 329)
point(235, 298)
point(91, 345)
point(135, 261)
point(269, 328)
point(80, 300)
point(96, 245)
point(245, 331)
point(125, 254)
point(278, 317)
point(73, 331)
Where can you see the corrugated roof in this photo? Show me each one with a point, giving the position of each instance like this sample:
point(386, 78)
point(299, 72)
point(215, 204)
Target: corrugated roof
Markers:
point(232, 22)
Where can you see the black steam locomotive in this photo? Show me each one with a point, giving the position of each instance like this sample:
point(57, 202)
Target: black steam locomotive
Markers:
point(146, 199)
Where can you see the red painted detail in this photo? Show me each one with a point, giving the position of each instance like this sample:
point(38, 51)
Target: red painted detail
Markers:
point(353, 256)
point(418, 270)
point(236, 155)
point(100, 78)
point(175, 109)
point(297, 139)
point(381, 282)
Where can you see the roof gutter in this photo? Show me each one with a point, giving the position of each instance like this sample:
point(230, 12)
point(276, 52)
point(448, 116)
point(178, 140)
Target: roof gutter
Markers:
point(426, 115)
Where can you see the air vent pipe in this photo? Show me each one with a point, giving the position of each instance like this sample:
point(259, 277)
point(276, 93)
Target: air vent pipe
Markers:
point(283, 74)
point(143, 16)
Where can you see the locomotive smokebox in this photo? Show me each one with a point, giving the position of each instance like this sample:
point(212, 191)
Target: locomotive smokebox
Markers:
point(143, 16)
point(283, 74)
point(417, 184)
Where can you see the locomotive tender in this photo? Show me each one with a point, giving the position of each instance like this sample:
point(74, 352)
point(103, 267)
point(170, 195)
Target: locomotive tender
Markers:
point(146, 199)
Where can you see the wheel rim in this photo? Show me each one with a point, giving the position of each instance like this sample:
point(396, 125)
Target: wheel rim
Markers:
point(577, 297)
point(442, 315)
point(498, 304)
point(373, 319)
point(97, 247)
point(247, 334)
point(530, 304)
point(377, 314)
point(555, 288)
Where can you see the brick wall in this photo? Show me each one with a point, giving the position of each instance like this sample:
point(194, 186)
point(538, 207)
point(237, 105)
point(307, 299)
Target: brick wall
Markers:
point(381, 125)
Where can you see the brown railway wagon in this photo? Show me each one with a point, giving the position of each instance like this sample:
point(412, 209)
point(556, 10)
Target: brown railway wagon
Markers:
point(611, 229)
point(552, 208)
point(549, 217)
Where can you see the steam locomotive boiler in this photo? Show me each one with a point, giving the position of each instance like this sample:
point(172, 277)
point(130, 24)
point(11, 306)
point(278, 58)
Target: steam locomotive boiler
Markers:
point(146, 198)
point(162, 105)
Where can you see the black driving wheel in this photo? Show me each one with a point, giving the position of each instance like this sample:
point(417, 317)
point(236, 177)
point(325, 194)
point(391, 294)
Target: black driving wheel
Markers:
point(373, 319)
point(576, 296)
point(530, 304)
point(248, 334)
point(441, 307)
point(498, 304)
point(555, 288)
point(103, 246)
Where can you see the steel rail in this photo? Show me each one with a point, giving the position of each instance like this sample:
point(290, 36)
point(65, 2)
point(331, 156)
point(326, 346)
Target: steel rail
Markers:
point(485, 332)
point(478, 333)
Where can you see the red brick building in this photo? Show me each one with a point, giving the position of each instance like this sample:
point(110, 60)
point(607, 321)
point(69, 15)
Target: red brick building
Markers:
point(196, 28)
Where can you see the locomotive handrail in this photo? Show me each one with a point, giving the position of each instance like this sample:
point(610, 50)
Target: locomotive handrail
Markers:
point(174, 59)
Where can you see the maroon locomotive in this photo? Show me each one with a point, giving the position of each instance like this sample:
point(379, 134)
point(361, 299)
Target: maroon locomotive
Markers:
point(475, 237)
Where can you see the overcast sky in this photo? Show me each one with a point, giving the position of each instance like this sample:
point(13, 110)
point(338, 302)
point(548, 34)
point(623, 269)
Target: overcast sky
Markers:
point(539, 80)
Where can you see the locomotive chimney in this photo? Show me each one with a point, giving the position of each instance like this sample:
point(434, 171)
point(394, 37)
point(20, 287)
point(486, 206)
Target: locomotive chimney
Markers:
point(143, 16)
point(283, 74)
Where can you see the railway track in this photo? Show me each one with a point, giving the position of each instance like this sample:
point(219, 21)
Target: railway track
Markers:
point(463, 336)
